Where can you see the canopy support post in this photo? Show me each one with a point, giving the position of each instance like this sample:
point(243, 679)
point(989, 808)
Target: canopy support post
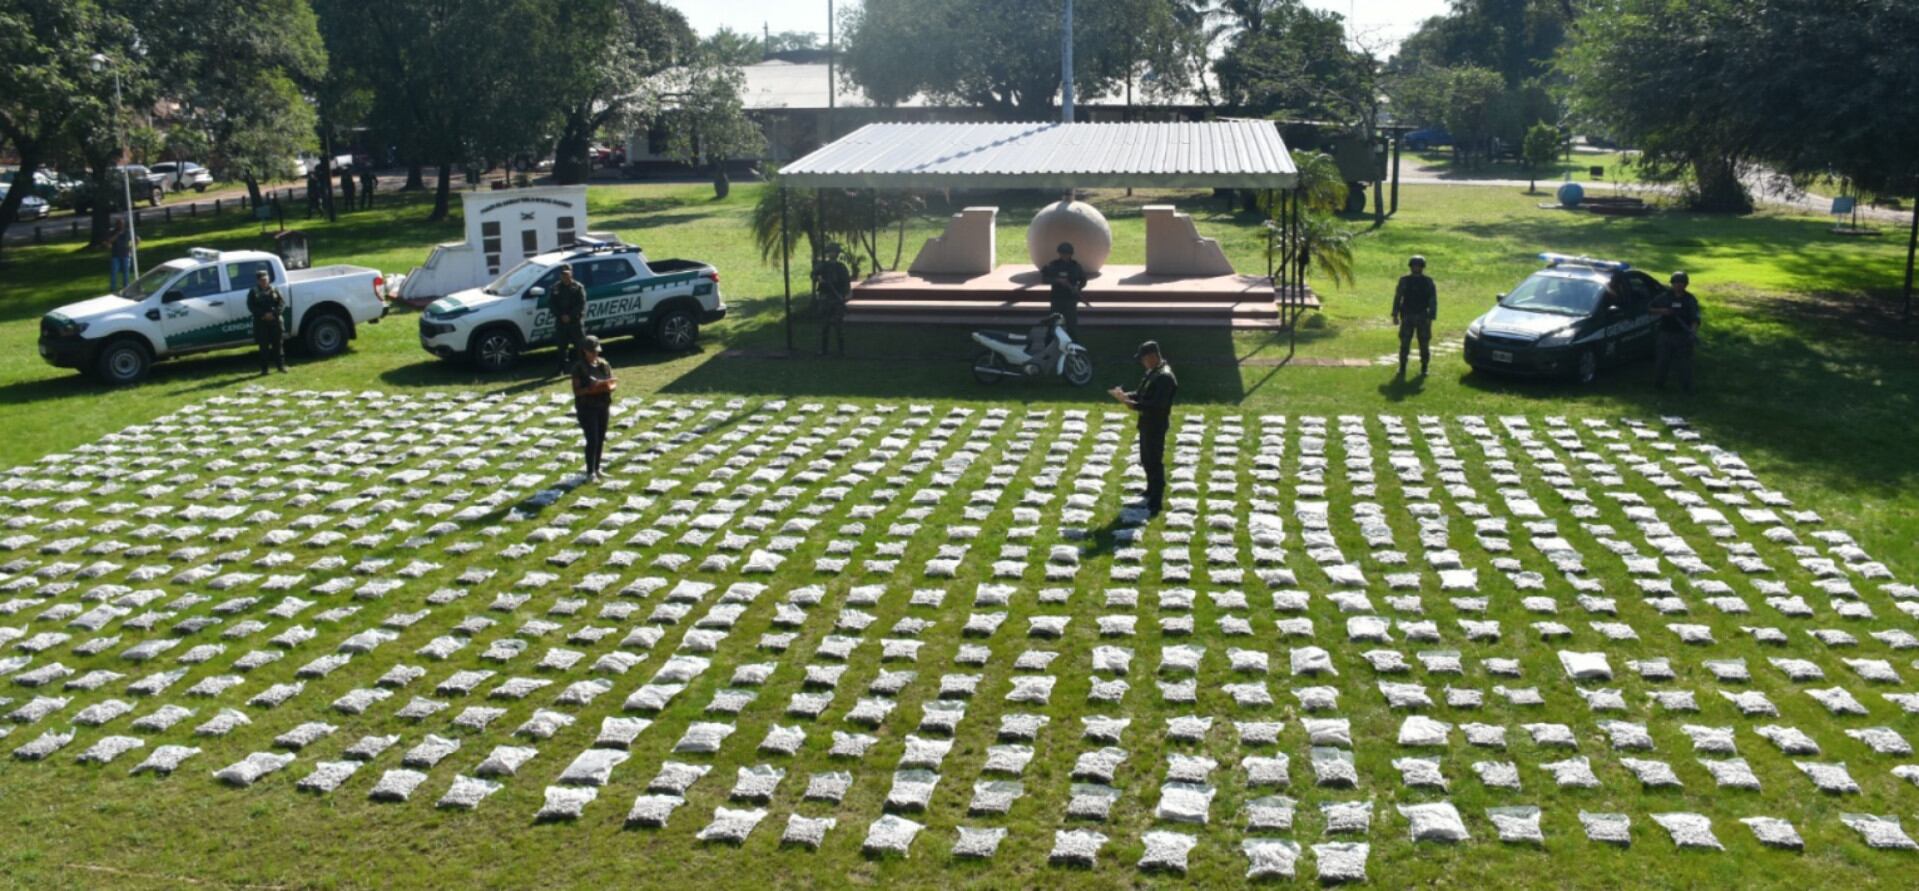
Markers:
point(1297, 293)
point(786, 269)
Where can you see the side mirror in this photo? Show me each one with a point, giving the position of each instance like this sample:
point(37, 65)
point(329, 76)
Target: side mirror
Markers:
point(174, 296)
point(1499, 298)
point(534, 293)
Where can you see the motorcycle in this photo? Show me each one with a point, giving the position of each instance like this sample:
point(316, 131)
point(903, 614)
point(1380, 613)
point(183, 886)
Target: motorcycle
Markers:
point(1044, 349)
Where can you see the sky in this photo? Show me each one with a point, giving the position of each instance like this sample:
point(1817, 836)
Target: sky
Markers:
point(1376, 21)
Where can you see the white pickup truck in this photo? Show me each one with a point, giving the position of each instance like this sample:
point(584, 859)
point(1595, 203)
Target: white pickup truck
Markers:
point(199, 303)
point(626, 293)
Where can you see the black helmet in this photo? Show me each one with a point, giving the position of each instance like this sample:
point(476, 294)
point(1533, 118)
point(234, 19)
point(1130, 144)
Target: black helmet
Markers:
point(1149, 348)
point(1417, 260)
point(1066, 247)
point(1681, 278)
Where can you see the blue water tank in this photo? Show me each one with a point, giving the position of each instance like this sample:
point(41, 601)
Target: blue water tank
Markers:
point(1570, 194)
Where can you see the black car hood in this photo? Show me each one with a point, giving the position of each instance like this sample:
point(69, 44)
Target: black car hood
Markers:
point(1520, 323)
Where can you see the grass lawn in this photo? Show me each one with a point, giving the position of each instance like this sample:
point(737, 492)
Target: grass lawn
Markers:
point(1441, 163)
point(1805, 372)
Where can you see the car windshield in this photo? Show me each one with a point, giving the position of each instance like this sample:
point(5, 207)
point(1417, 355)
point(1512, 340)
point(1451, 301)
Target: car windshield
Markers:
point(1555, 294)
point(516, 279)
point(150, 284)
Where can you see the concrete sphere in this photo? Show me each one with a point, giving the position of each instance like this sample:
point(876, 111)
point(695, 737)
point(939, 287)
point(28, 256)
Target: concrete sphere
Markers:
point(1571, 194)
point(1074, 222)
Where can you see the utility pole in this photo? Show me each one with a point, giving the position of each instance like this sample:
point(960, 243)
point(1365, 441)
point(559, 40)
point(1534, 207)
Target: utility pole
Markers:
point(100, 60)
point(1066, 66)
point(831, 68)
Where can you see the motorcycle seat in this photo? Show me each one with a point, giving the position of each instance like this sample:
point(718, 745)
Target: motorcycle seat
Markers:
point(1004, 337)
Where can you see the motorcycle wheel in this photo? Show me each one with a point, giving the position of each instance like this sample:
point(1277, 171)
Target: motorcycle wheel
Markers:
point(986, 368)
point(1079, 368)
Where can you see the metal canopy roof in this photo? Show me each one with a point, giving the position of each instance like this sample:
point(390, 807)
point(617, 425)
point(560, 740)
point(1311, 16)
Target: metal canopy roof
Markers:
point(1210, 154)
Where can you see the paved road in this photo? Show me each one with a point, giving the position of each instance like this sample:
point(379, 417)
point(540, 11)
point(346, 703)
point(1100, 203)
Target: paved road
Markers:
point(1757, 184)
point(66, 226)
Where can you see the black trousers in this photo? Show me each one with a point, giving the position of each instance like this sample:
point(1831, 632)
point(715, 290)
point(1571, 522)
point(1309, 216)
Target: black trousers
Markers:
point(1068, 311)
point(1152, 459)
point(593, 420)
point(1409, 329)
point(272, 342)
point(834, 324)
point(1675, 355)
point(572, 338)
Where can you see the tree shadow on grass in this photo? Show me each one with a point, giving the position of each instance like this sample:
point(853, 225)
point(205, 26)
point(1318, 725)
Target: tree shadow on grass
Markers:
point(935, 362)
point(535, 370)
point(1807, 392)
point(179, 377)
point(1803, 249)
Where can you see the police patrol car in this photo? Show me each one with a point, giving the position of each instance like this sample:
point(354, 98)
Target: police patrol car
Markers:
point(625, 294)
point(1572, 318)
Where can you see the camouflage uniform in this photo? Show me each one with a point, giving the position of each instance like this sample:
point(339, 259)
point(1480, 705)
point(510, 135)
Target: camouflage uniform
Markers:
point(568, 301)
point(269, 311)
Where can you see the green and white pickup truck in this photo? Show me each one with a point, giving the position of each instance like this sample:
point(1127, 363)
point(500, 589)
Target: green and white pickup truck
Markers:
point(199, 303)
point(625, 294)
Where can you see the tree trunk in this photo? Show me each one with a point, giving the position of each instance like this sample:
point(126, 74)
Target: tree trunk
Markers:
point(1718, 189)
point(721, 185)
point(23, 178)
point(415, 179)
point(107, 192)
point(253, 189)
point(570, 162)
point(440, 194)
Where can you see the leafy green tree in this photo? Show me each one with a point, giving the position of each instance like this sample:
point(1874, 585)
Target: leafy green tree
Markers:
point(49, 85)
point(1287, 59)
point(732, 47)
point(440, 77)
point(240, 98)
point(1002, 55)
point(604, 74)
point(1470, 102)
point(793, 40)
point(708, 124)
point(1539, 150)
point(1690, 114)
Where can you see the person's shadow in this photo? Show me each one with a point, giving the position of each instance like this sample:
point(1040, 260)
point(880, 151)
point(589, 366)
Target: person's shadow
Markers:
point(1402, 386)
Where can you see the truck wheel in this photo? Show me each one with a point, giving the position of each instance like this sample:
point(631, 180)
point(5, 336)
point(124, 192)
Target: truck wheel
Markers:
point(494, 349)
point(154, 196)
point(122, 361)
point(676, 331)
point(1586, 369)
point(325, 335)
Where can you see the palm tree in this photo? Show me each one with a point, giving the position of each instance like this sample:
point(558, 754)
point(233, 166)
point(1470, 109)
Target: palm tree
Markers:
point(1319, 236)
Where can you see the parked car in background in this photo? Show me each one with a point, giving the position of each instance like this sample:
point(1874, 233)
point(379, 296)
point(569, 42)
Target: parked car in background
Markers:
point(184, 175)
point(198, 303)
point(141, 181)
point(1570, 319)
point(1428, 137)
point(49, 185)
point(32, 207)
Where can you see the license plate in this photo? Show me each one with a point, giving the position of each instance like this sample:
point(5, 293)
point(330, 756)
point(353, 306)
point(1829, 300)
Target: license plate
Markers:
point(1502, 356)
